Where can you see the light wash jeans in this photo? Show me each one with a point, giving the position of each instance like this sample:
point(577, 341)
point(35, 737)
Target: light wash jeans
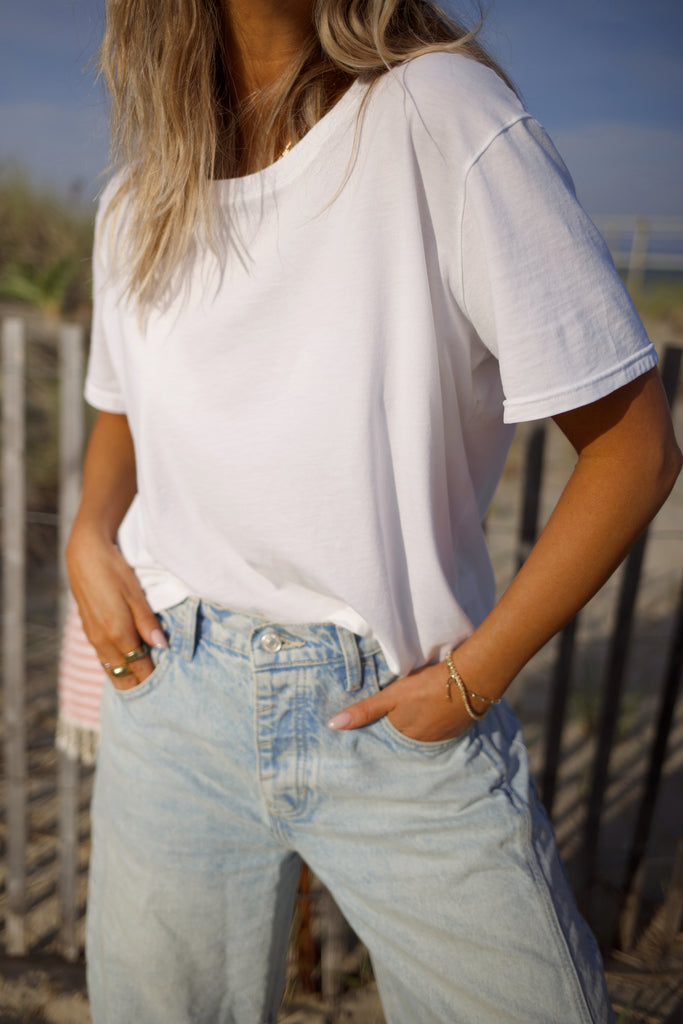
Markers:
point(219, 772)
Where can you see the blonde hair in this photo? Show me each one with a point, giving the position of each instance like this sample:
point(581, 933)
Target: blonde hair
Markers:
point(176, 125)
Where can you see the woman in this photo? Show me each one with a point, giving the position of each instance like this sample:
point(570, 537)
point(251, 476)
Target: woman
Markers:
point(340, 259)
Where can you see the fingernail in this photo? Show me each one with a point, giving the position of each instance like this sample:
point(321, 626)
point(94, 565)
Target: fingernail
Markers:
point(158, 638)
point(340, 721)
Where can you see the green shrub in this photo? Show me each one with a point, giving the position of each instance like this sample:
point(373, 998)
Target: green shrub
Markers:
point(45, 246)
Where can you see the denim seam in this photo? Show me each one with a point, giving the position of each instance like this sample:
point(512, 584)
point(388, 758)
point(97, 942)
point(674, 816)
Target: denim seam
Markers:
point(301, 746)
point(523, 810)
point(552, 916)
point(285, 666)
point(206, 638)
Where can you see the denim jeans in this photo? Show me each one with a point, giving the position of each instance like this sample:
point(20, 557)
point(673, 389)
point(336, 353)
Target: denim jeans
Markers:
point(218, 773)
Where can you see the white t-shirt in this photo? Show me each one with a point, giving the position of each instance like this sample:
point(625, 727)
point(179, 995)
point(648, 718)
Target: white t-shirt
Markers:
point(319, 421)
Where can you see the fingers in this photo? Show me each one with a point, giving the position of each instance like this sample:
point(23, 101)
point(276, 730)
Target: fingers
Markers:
point(144, 632)
point(121, 639)
point(131, 669)
point(146, 622)
point(109, 623)
point(122, 652)
point(114, 611)
point(416, 705)
point(362, 713)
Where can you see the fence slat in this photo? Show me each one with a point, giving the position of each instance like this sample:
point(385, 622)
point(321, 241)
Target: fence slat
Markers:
point(559, 695)
point(334, 943)
point(71, 434)
point(71, 426)
point(611, 703)
point(14, 606)
point(639, 252)
point(630, 898)
point(672, 911)
point(533, 472)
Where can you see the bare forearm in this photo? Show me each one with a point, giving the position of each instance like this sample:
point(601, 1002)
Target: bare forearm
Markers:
point(114, 611)
point(109, 482)
point(604, 508)
point(628, 462)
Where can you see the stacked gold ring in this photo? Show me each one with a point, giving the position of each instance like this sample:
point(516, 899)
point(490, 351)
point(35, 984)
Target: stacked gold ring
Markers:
point(118, 671)
point(140, 652)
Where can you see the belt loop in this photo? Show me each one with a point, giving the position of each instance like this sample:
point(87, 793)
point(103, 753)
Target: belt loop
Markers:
point(189, 628)
point(349, 646)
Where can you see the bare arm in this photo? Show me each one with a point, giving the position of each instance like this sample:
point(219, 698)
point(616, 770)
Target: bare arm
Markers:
point(112, 605)
point(628, 462)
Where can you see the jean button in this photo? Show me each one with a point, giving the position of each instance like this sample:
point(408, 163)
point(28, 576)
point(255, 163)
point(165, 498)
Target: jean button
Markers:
point(271, 642)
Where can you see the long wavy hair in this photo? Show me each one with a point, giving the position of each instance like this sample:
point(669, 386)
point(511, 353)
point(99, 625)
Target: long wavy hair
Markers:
point(176, 124)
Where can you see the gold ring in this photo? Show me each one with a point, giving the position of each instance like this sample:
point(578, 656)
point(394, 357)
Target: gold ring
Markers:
point(119, 670)
point(140, 652)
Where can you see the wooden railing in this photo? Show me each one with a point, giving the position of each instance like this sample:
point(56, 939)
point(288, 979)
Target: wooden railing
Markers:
point(642, 244)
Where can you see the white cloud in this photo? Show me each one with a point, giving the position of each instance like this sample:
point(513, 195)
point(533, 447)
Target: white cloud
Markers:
point(626, 168)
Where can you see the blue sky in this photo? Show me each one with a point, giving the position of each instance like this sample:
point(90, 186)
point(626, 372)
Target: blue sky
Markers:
point(605, 77)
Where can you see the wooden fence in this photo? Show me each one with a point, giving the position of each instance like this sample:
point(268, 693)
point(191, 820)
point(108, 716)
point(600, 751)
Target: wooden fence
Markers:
point(623, 932)
point(68, 775)
point(71, 435)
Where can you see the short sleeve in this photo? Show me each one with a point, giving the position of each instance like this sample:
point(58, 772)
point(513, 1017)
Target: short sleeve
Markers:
point(539, 284)
point(102, 384)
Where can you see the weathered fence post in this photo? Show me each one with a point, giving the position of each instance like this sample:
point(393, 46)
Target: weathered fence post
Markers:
point(557, 709)
point(531, 482)
point(71, 431)
point(14, 604)
point(672, 911)
point(334, 943)
point(630, 904)
point(638, 259)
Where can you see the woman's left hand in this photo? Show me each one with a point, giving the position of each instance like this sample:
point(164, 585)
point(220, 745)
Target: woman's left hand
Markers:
point(628, 461)
point(417, 705)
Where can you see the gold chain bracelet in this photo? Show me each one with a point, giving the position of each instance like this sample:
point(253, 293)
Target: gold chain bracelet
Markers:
point(467, 695)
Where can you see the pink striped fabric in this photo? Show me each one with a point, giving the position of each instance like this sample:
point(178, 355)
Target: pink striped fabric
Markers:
point(81, 680)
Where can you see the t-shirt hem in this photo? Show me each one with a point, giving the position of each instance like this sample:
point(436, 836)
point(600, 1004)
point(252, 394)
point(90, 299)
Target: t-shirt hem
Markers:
point(563, 400)
point(105, 401)
point(162, 591)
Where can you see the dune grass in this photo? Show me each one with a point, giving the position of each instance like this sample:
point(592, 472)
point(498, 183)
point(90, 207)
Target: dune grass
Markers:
point(45, 245)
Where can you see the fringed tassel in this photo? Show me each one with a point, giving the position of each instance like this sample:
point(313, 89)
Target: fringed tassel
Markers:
point(78, 742)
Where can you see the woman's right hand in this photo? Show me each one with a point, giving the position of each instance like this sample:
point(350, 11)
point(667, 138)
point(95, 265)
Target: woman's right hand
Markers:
point(114, 611)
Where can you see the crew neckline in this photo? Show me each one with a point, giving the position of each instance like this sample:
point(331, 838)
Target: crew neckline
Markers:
point(295, 159)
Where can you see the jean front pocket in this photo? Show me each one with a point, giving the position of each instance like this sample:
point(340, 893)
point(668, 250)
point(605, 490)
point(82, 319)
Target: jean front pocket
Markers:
point(162, 658)
point(383, 678)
